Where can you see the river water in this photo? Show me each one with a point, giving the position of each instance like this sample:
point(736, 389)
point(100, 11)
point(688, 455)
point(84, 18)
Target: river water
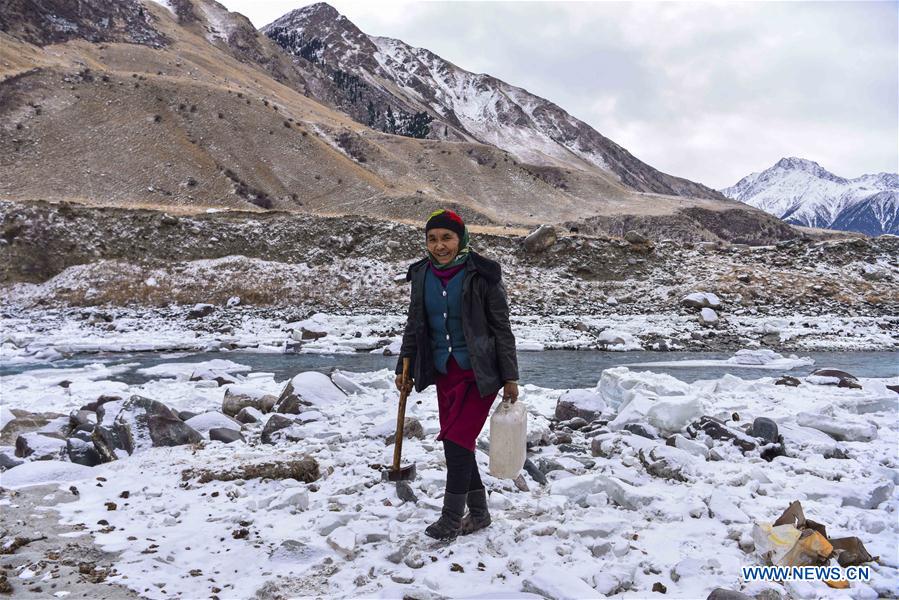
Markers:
point(557, 369)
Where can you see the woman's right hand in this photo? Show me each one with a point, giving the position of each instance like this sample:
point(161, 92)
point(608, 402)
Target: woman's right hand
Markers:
point(399, 383)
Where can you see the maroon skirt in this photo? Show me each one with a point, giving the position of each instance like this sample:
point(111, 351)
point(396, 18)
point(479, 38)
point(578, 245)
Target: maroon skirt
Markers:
point(463, 411)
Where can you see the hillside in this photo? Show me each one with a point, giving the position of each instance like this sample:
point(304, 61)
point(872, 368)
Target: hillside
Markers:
point(188, 108)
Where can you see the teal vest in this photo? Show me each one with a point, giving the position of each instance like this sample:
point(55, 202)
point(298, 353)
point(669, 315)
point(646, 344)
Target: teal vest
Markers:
point(444, 311)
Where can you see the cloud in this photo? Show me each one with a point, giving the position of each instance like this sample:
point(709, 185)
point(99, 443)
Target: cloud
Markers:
point(707, 91)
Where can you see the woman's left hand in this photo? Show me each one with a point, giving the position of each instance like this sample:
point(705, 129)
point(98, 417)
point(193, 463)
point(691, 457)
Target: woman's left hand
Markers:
point(510, 391)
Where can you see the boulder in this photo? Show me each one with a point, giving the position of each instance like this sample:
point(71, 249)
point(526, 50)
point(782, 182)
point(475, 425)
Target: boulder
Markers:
point(701, 300)
point(717, 430)
point(213, 419)
point(238, 397)
point(276, 422)
point(37, 446)
point(788, 380)
point(765, 429)
point(834, 377)
point(222, 434)
point(200, 310)
point(632, 237)
point(82, 452)
point(249, 414)
point(308, 389)
point(586, 404)
point(707, 316)
point(540, 239)
point(143, 423)
point(83, 420)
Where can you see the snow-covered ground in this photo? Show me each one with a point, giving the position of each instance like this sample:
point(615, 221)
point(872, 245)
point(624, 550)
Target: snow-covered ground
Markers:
point(43, 335)
point(603, 524)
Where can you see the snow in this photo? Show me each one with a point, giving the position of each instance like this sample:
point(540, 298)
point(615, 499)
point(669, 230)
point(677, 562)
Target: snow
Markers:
point(41, 472)
point(317, 389)
point(592, 530)
point(5, 416)
point(212, 420)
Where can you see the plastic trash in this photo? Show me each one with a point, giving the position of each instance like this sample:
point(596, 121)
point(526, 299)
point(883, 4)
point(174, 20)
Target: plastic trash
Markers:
point(774, 542)
point(508, 439)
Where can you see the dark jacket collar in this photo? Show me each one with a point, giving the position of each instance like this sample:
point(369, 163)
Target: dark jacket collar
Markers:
point(489, 269)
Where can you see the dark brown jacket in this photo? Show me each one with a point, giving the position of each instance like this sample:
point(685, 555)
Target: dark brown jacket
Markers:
point(485, 323)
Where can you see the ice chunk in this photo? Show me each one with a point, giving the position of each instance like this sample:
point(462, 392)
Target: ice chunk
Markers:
point(558, 585)
point(842, 429)
point(724, 510)
point(619, 385)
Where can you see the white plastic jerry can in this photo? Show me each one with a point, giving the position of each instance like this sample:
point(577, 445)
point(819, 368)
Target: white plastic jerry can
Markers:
point(508, 439)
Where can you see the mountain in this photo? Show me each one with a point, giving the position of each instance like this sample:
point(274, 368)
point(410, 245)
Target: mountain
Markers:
point(182, 105)
point(802, 192)
point(389, 85)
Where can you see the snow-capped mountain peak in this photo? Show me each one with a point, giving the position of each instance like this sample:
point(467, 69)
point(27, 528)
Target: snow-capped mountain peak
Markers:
point(802, 192)
point(389, 85)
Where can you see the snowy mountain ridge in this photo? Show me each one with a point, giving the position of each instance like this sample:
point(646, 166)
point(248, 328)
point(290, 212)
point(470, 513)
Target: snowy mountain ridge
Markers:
point(802, 192)
point(409, 83)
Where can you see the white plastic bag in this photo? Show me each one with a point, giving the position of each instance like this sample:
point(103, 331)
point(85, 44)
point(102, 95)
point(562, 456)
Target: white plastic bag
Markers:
point(508, 439)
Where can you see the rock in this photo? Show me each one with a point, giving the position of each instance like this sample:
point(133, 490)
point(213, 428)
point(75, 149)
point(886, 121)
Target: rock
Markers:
point(308, 389)
point(548, 465)
point(249, 414)
point(534, 472)
point(81, 452)
point(8, 458)
point(632, 237)
point(405, 493)
point(643, 430)
point(658, 586)
point(765, 429)
point(37, 446)
point(412, 429)
point(233, 301)
point(585, 404)
point(842, 429)
point(186, 415)
point(276, 422)
point(212, 420)
point(834, 377)
point(717, 430)
point(707, 316)
point(343, 540)
point(666, 462)
point(787, 380)
point(309, 334)
point(540, 239)
point(200, 310)
point(701, 300)
point(143, 423)
point(221, 434)
point(83, 420)
point(238, 397)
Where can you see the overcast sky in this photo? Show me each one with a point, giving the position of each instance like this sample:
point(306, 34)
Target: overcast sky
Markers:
point(706, 91)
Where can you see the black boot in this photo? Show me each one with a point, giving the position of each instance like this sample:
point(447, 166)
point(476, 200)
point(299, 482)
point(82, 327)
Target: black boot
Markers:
point(478, 516)
point(447, 526)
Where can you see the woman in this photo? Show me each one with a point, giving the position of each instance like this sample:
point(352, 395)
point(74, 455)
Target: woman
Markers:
point(458, 337)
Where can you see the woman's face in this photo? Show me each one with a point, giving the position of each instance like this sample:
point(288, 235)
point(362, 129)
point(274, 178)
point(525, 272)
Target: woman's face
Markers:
point(443, 244)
